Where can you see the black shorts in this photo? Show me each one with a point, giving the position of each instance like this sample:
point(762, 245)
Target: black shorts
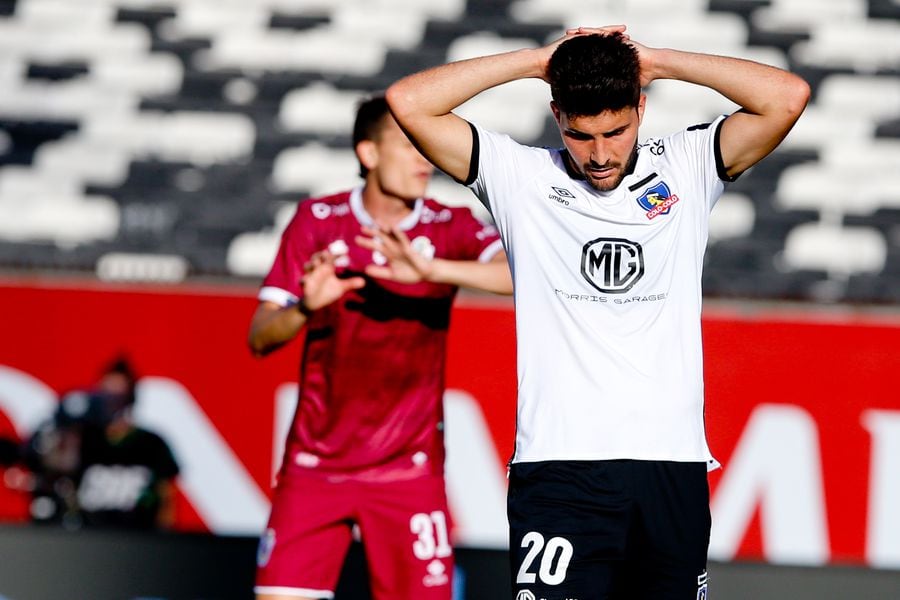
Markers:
point(610, 529)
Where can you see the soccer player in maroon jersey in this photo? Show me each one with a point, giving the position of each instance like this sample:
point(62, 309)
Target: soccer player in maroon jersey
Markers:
point(371, 273)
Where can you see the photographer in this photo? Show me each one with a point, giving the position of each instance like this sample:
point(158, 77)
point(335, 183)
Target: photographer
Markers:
point(93, 467)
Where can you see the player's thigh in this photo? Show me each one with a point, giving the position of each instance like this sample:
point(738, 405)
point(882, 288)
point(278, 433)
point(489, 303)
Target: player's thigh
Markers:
point(406, 535)
point(302, 551)
point(569, 525)
point(675, 523)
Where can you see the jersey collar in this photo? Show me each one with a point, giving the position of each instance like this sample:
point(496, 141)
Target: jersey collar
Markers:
point(359, 211)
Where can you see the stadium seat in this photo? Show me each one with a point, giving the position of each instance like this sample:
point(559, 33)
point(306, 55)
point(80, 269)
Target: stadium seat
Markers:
point(732, 217)
point(845, 93)
point(818, 126)
point(864, 46)
point(251, 253)
point(839, 251)
point(315, 169)
point(119, 266)
point(303, 109)
point(853, 187)
point(63, 220)
point(189, 127)
point(801, 15)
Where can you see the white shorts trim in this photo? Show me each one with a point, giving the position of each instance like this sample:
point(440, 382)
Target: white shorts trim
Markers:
point(298, 592)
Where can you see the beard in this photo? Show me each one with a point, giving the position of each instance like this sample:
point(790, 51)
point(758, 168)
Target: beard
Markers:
point(611, 183)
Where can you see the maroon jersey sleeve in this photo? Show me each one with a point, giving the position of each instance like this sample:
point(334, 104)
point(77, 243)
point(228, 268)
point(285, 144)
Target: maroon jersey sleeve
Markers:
point(298, 243)
point(472, 239)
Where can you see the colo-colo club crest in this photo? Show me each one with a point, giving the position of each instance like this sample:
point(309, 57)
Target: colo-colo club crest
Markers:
point(657, 200)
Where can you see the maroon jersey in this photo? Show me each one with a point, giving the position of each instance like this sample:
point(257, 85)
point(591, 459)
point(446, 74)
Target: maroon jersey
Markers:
point(372, 374)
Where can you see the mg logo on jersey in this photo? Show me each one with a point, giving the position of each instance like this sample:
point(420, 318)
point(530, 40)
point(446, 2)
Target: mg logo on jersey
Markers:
point(612, 265)
point(657, 200)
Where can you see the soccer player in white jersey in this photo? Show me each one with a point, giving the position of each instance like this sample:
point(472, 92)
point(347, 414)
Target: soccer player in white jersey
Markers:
point(370, 274)
point(608, 493)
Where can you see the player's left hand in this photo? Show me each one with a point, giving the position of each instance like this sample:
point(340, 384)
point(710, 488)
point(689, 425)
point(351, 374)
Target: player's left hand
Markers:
point(404, 264)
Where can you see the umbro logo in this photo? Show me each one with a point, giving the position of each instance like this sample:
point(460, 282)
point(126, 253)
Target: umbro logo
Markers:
point(561, 195)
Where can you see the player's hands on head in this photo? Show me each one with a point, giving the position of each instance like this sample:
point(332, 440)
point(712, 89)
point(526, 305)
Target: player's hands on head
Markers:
point(646, 55)
point(547, 51)
point(321, 285)
point(404, 263)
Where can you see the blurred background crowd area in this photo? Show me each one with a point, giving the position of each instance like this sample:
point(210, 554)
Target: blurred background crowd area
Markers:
point(165, 140)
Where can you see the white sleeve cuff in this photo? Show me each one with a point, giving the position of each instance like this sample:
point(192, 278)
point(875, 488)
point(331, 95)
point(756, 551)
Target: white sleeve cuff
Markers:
point(491, 251)
point(277, 295)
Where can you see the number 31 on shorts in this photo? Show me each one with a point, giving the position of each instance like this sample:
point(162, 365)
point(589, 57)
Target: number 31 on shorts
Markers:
point(555, 557)
point(431, 530)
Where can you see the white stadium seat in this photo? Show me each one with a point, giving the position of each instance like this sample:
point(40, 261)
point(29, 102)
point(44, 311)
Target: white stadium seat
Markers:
point(122, 266)
point(24, 184)
point(36, 41)
point(876, 97)
point(836, 190)
point(841, 251)
point(205, 18)
point(74, 158)
point(732, 217)
point(154, 74)
point(66, 14)
point(880, 154)
point(603, 11)
point(391, 25)
point(317, 50)
point(818, 126)
point(865, 46)
point(800, 15)
point(315, 169)
point(319, 108)
point(64, 220)
point(251, 254)
point(68, 100)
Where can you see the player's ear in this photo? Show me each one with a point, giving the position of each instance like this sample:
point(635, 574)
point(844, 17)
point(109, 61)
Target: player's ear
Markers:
point(555, 109)
point(367, 153)
point(640, 108)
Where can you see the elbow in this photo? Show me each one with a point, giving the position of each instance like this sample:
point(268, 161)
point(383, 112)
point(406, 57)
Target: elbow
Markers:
point(798, 96)
point(255, 345)
point(399, 99)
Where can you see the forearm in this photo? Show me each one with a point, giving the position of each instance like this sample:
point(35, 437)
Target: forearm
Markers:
point(757, 88)
point(439, 90)
point(491, 276)
point(272, 327)
point(771, 100)
point(423, 104)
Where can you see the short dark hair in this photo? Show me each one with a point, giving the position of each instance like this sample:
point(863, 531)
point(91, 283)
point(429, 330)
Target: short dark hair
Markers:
point(369, 121)
point(122, 367)
point(590, 74)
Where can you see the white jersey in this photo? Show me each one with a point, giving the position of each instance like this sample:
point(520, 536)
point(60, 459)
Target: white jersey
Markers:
point(607, 296)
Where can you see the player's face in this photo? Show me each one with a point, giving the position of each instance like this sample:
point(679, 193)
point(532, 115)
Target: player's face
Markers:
point(397, 167)
point(603, 147)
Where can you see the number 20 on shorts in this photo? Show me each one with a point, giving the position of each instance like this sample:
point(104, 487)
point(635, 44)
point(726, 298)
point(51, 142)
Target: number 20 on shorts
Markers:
point(552, 571)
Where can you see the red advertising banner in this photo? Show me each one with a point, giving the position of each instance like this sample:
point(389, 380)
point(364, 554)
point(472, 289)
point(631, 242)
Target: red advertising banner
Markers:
point(802, 411)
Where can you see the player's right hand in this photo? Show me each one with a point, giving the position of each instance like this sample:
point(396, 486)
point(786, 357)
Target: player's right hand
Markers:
point(321, 285)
